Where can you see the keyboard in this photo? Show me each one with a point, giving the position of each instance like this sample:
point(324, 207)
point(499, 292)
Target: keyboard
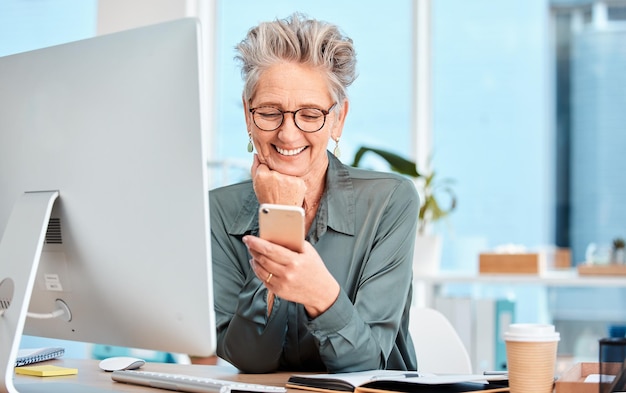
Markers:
point(187, 383)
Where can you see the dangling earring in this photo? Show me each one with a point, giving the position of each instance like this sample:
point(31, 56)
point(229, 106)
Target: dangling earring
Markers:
point(250, 145)
point(336, 150)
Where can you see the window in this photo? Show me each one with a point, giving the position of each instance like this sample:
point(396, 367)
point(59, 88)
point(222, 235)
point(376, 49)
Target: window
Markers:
point(590, 124)
point(493, 124)
point(26, 25)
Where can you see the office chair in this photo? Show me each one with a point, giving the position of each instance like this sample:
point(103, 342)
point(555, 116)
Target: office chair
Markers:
point(438, 347)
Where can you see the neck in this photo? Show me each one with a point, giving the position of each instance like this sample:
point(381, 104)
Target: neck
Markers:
point(314, 190)
point(313, 196)
point(315, 183)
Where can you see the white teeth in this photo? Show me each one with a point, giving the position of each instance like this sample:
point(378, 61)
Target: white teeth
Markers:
point(289, 152)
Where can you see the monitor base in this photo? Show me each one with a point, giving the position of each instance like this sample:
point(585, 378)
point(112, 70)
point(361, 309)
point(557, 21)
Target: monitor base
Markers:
point(20, 252)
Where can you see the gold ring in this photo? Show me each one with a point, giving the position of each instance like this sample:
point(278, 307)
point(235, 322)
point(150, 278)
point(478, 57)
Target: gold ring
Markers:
point(267, 280)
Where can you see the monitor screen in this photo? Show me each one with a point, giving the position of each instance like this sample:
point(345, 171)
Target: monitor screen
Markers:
point(107, 138)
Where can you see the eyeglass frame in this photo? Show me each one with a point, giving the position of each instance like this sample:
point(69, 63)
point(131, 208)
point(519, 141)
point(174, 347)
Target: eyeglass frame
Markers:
point(282, 112)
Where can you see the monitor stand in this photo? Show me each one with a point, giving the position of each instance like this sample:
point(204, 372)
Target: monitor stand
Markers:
point(20, 252)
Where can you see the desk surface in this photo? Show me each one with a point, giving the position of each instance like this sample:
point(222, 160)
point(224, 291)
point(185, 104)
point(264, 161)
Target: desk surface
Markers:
point(90, 375)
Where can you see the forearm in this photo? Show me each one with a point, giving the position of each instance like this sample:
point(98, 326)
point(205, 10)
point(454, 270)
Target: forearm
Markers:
point(253, 341)
point(346, 342)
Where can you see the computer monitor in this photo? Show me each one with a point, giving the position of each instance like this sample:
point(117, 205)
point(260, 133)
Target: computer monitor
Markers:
point(103, 193)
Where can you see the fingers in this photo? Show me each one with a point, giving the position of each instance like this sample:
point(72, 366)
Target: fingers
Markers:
point(269, 258)
point(268, 278)
point(255, 165)
point(274, 187)
point(268, 255)
point(259, 262)
point(298, 277)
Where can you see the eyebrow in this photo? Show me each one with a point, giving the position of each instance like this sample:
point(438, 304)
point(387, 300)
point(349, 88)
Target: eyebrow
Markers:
point(280, 106)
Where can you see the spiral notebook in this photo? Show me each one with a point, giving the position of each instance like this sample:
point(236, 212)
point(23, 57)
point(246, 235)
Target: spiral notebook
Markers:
point(390, 381)
point(35, 355)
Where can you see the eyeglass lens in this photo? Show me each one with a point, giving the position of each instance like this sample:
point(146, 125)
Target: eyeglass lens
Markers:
point(306, 119)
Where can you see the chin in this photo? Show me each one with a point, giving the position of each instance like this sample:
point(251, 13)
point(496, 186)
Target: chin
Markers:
point(288, 168)
point(289, 171)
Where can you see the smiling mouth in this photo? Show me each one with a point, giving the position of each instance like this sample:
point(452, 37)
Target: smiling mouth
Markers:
point(292, 152)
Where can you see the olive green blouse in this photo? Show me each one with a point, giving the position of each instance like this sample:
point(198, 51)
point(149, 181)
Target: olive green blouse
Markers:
point(364, 232)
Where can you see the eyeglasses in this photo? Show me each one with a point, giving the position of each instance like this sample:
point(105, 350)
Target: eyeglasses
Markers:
point(268, 118)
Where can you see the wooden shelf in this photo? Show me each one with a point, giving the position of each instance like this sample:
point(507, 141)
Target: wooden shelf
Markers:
point(602, 270)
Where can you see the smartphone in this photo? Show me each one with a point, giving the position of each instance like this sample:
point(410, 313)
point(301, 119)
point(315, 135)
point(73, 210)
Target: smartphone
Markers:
point(282, 224)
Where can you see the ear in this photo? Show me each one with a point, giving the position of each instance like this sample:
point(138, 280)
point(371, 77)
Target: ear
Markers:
point(246, 114)
point(337, 129)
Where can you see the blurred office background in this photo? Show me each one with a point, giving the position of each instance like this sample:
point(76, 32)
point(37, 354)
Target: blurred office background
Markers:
point(520, 102)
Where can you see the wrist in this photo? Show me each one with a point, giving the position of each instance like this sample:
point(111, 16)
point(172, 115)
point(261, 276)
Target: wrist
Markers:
point(323, 303)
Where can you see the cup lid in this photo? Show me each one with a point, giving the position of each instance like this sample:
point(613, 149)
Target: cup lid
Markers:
point(531, 332)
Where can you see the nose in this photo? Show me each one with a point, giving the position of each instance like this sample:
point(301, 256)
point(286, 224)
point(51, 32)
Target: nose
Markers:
point(288, 130)
point(293, 118)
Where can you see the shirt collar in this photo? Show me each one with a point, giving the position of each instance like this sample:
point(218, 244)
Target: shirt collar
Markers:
point(339, 197)
point(337, 207)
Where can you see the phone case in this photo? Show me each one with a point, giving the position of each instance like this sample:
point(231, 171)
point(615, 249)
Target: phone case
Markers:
point(282, 224)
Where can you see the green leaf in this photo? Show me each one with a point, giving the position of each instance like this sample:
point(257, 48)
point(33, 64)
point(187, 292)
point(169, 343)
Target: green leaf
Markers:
point(397, 163)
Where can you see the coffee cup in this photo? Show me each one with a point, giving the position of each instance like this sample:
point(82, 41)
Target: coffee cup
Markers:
point(531, 357)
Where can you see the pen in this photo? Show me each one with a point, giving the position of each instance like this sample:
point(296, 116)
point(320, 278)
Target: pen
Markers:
point(394, 376)
point(495, 372)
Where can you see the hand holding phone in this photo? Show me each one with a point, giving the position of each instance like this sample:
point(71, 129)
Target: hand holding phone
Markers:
point(283, 225)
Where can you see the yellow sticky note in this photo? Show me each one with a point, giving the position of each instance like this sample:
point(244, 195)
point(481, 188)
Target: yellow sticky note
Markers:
point(45, 371)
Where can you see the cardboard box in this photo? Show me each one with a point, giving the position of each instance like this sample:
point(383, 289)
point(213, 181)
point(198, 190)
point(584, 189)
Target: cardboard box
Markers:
point(602, 270)
point(573, 380)
point(518, 263)
point(562, 258)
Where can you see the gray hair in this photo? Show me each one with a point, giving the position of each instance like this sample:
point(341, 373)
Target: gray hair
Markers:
point(301, 40)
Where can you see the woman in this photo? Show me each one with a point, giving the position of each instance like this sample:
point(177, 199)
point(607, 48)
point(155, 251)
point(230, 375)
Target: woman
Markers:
point(342, 303)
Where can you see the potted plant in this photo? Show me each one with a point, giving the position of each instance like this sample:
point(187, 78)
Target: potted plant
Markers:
point(427, 256)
